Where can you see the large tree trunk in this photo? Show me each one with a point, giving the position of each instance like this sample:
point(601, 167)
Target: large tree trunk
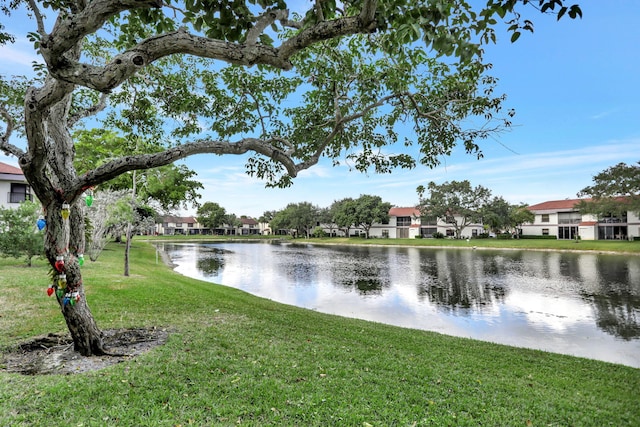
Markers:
point(64, 242)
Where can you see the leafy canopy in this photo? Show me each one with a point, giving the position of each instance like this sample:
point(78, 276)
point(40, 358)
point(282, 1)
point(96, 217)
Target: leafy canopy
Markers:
point(615, 191)
point(340, 80)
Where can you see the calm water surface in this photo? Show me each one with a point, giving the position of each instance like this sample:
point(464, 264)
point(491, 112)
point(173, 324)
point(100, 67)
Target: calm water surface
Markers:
point(580, 304)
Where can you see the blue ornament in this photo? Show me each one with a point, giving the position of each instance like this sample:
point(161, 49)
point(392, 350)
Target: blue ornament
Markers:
point(41, 223)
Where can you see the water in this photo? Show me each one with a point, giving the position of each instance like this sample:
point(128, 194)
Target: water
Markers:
point(585, 305)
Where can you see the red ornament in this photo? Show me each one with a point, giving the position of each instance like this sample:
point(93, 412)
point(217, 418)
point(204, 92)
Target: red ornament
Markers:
point(50, 291)
point(59, 265)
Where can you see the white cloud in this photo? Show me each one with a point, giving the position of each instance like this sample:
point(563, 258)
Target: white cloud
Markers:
point(17, 59)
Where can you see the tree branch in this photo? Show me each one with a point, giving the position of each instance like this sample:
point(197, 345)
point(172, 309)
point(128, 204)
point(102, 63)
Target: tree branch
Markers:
point(121, 165)
point(38, 16)
point(9, 149)
point(91, 111)
point(67, 33)
point(263, 22)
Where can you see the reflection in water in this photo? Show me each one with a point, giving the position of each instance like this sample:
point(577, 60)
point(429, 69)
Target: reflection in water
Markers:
point(580, 304)
point(210, 260)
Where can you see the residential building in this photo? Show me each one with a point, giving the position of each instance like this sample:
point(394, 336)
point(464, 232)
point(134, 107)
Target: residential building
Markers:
point(249, 227)
point(189, 225)
point(14, 185)
point(173, 225)
point(561, 218)
point(406, 223)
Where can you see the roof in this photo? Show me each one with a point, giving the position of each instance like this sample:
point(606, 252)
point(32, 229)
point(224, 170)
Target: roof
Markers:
point(556, 205)
point(180, 219)
point(587, 223)
point(413, 212)
point(248, 221)
point(10, 170)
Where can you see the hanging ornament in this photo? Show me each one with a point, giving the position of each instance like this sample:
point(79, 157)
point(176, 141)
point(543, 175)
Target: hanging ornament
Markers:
point(59, 293)
point(50, 290)
point(62, 281)
point(41, 223)
point(75, 296)
point(66, 210)
point(59, 265)
point(81, 259)
point(89, 198)
point(65, 300)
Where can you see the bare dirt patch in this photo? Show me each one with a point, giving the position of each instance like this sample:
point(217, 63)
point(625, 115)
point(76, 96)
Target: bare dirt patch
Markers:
point(54, 353)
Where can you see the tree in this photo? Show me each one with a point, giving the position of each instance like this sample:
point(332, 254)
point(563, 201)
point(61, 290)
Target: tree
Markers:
point(370, 209)
point(344, 214)
point(233, 222)
point(495, 214)
point(302, 217)
point(211, 215)
point(500, 215)
point(356, 74)
point(455, 203)
point(325, 217)
point(19, 235)
point(615, 191)
point(519, 215)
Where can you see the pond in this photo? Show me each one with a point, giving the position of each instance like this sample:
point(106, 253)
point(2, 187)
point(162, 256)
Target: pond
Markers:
point(582, 304)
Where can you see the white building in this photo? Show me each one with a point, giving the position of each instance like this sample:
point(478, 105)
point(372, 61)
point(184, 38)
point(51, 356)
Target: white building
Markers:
point(561, 218)
point(14, 188)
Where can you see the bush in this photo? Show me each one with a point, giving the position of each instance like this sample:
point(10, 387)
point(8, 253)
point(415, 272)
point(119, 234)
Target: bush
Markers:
point(437, 235)
point(418, 237)
point(539, 237)
point(318, 232)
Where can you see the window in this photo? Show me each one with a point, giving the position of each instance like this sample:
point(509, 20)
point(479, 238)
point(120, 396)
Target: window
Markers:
point(545, 218)
point(567, 232)
point(403, 221)
point(428, 221)
point(385, 234)
point(428, 231)
point(545, 231)
point(19, 193)
point(190, 225)
point(178, 225)
point(450, 233)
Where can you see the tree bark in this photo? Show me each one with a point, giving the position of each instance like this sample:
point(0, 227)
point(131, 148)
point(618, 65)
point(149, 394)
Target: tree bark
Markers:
point(64, 241)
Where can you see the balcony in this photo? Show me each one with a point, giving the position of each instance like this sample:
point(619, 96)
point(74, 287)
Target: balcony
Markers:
point(18, 197)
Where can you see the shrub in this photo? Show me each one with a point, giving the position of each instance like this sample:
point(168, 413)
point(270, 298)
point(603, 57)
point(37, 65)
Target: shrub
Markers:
point(437, 235)
point(318, 232)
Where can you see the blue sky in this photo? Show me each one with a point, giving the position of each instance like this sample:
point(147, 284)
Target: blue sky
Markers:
point(574, 85)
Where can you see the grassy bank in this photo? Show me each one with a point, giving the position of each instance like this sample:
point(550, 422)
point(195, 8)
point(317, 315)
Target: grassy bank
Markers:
point(235, 359)
point(529, 244)
point(621, 246)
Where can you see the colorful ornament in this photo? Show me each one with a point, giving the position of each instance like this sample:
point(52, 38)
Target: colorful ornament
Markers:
point(59, 293)
point(41, 223)
point(50, 290)
point(81, 259)
point(62, 281)
point(66, 210)
point(59, 265)
point(89, 198)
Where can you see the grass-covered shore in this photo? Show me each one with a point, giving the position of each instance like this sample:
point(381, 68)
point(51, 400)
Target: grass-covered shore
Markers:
point(236, 359)
point(617, 246)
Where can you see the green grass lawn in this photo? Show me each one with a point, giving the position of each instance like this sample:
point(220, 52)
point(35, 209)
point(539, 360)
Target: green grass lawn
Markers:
point(236, 359)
